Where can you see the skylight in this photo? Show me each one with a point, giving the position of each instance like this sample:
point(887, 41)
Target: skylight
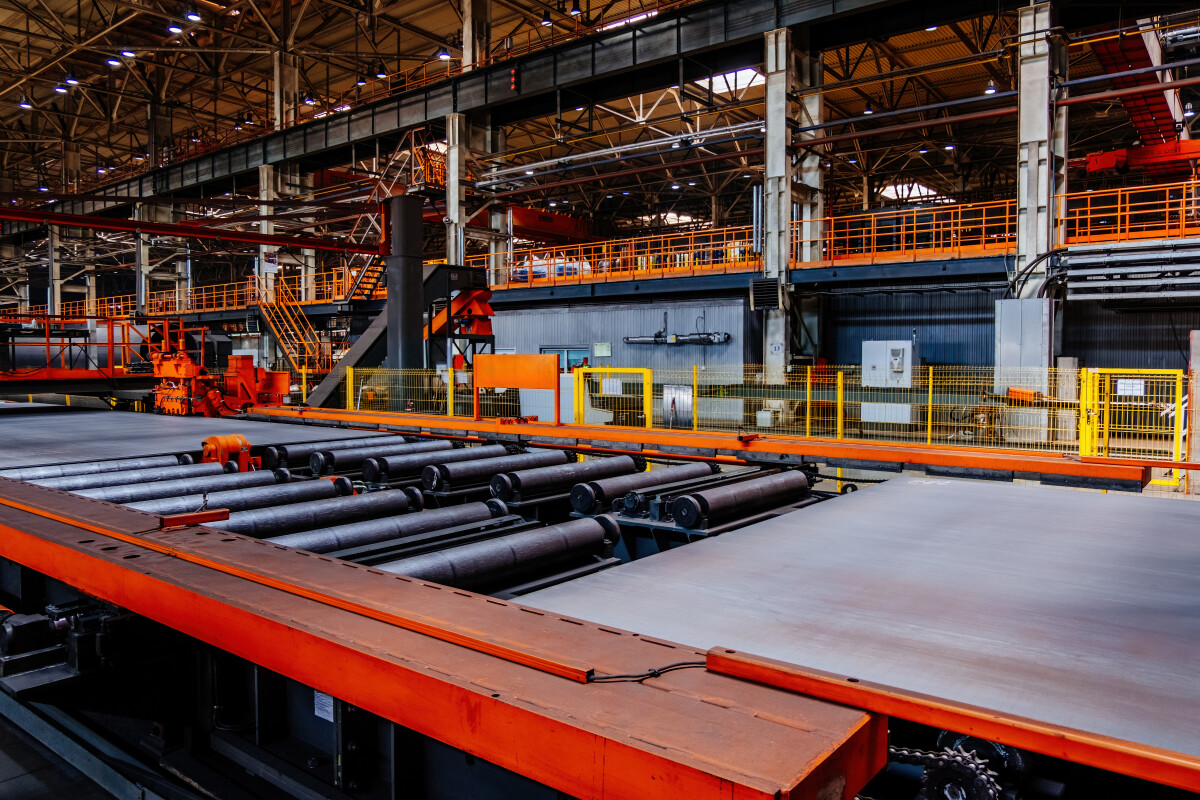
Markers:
point(732, 82)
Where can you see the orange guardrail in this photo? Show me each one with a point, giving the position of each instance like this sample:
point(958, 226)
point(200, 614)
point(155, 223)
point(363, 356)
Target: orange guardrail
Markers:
point(950, 231)
point(1130, 213)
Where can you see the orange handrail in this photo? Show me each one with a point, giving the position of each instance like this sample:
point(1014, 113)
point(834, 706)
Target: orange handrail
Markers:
point(1130, 213)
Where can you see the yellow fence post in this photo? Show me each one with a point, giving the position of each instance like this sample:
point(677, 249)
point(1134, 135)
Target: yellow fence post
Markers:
point(695, 397)
point(349, 388)
point(808, 402)
point(841, 412)
point(303, 384)
point(450, 393)
point(580, 382)
point(648, 398)
point(929, 412)
point(1179, 419)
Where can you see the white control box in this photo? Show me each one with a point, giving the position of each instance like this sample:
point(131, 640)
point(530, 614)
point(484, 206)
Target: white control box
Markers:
point(888, 364)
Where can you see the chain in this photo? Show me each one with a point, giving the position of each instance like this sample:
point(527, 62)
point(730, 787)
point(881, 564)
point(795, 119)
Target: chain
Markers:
point(984, 780)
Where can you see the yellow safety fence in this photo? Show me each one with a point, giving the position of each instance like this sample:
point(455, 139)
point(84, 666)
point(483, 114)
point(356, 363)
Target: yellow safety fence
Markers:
point(1098, 412)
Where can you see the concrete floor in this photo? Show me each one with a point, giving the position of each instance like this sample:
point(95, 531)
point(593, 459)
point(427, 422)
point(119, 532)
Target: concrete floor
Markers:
point(29, 771)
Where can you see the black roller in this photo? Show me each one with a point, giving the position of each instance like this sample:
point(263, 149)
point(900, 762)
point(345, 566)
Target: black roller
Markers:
point(136, 492)
point(378, 469)
point(242, 499)
point(263, 522)
point(88, 468)
point(587, 497)
point(352, 458)
point(296, 455)
point(442, 477)
point(508, 559)
point(356, 534)
point(544, 480)
point(72, 482)
point(722, 503)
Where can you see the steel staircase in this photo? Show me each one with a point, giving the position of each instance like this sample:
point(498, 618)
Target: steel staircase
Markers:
point(286, 319)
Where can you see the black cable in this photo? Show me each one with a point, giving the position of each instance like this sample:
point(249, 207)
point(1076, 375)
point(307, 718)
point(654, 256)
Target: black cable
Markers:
point(652, 673)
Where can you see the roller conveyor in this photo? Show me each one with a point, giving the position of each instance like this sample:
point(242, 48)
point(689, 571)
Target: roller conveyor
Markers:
point(243, 499)
point(351, 458)
point(135, 492)
point(278, 520)
point(382, 468)
point(522, 484)
point(591, 495)
point(135, 476)
point(367, 532)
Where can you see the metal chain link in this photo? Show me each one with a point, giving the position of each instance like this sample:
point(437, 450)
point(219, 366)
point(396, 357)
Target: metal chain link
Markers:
point(984, 781)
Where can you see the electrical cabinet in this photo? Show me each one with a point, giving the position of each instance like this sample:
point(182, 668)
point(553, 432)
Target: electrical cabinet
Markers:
point(888, 364)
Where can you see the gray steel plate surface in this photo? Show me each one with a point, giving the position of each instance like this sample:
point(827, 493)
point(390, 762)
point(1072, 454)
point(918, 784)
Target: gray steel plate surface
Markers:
point(1076, 608)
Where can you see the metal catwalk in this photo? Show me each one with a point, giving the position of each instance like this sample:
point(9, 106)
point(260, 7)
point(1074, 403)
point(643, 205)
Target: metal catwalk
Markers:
point(1078, 609)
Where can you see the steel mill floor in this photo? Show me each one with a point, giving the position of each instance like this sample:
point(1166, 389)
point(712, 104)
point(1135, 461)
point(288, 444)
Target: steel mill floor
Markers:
point(32, 435)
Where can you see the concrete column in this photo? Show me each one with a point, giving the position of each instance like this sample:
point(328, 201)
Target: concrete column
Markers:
point(1042, 139)
point(53, 272)
point(810, 173)
point(285, 88)
point(267, 263)
point(477, 32)
point(778, 177)
point(1193, 417)
point(500, 219)
point(457, 143)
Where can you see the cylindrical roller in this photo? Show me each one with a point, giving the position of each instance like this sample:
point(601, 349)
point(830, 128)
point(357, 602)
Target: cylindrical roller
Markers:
point(242, 499)
point(72, 482)
point(353, 457)
point(506, 559)
point(296, 455)
point(441, 477)
point(560, 476)
point(88, 468)
point(263, 522)
point(356, 534)
point(136, 492)
point(722, 503)
point(587, 497)
point(378, 469)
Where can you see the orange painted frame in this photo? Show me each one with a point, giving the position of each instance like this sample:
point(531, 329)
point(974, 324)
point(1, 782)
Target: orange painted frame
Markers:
point(517, 371)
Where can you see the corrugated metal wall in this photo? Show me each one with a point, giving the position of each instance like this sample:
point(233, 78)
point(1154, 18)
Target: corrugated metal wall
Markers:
point(954, 328)
point(1102, 337)
point(582, 326)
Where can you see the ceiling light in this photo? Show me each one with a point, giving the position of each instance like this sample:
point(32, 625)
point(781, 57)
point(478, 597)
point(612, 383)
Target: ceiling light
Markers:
point(923, 149)
point(248, 119)
point(575, 9)
point(71, 80)
point(114, 62)
point(175, 27)
point(674, 185)
point(949, 147)
point(360, 81)
point(868, 109)
point(1188, 111)
point(101, 170)
point(746, 175)
point(546, 23)
point(24, 102)
point(309, 100)
point(991, 87)
point(553, 204)
point(608, 196)
point(193, 15)
point(443, 54)
point(853, 160)
point(624, 192)
point(128, 53)
point(60, 89)
point(675, 144)
point(237, 126)
point(691, 183)
point(579, 108)
point(931, 28)
point(528, 172)
point(42, 187)
point(380, 70)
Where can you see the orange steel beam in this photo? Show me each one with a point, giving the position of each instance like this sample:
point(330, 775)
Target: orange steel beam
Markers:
point(1115, 755)
point(666, 738)
point(780, 449)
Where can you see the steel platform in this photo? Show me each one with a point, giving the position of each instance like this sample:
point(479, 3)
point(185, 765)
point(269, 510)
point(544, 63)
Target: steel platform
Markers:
point(1076, 609)
point(35, 436)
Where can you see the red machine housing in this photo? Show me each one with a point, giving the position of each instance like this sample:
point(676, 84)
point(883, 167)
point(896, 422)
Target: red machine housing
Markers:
point(187, 388)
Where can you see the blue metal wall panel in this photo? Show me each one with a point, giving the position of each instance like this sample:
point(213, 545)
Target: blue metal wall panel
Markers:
point(1103, 337)
point(956, 328)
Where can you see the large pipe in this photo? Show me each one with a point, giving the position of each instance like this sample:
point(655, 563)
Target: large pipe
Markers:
point(442, 477)
point(406, 283)
point(72, 482)
point(371, 531)
point(722, 503)
point(378, 469)
point(544, 480)
point(88, 468)
point(243, 499)
point(587, 497)
point(297, 454)
point(352, 458)
point(506, 559)
point(136, 492)
point(263, 522)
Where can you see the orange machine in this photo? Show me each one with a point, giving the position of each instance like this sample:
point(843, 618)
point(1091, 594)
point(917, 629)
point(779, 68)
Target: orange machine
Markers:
point(188, 388)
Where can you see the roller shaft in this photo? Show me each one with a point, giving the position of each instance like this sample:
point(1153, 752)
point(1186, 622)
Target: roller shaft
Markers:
point(242, 499)
point(391, 467)
point(352, 458)
point(441, 477)
point(136, 492)
point(296, 455)
point(262, 522)
point(88, 468)
point(72, 482)
point(723, 503)
point(589, 496)
point(543, 480)
point(504, 559)
point(356, 534)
